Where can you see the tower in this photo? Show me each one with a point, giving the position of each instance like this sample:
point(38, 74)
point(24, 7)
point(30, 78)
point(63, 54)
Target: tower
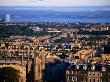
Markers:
point(39, 65)
point(7, 18)
point(43, 58)
point(75, 36)
point(28, 65)
point(75, 39)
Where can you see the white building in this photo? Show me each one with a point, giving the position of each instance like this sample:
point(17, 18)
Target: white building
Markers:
point(7, 18)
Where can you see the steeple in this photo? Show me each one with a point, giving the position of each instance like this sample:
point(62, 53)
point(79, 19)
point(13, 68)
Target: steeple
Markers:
point(75, 36)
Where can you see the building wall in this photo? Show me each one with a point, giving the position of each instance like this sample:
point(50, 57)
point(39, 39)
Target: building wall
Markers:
point(76, 76)
point(87, 76)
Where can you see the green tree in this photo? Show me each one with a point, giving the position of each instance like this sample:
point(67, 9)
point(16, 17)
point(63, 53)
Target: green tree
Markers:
point(9, 74)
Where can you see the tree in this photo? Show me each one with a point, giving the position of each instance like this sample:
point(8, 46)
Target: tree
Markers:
point(55, 72)
point(9, 74)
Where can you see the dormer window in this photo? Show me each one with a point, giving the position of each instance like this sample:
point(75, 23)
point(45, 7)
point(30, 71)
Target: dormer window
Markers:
point(77, 66)
point(68, 72)
point(93, 67)
point(85, 67)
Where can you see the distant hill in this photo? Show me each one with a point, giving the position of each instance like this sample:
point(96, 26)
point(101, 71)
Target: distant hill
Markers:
point(67, 9)
point(57, 14)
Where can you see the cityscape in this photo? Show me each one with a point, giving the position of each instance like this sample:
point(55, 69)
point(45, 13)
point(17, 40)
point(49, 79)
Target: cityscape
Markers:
point(54, 44)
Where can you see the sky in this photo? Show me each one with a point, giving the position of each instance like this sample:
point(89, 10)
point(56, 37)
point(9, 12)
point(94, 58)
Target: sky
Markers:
point(54, 3)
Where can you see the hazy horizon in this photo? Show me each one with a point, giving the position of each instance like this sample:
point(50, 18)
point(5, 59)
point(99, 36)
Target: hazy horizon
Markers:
point(68, 9)
point(57, 13)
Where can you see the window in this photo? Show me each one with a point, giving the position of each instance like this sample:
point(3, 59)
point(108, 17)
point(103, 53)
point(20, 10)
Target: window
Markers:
point(68, 78)
point(93, 79)
point(89, 73)
point(93, 73)
point(101, 74)
point(72, 72)
point(72, 79)
point(67, 72)
point(97, 79)
point(89, 79)
point(76, 78)
point(97, 74)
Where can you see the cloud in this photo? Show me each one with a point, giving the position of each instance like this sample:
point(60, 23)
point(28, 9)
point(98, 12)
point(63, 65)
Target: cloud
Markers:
point(34, 0)
point(54, 2)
